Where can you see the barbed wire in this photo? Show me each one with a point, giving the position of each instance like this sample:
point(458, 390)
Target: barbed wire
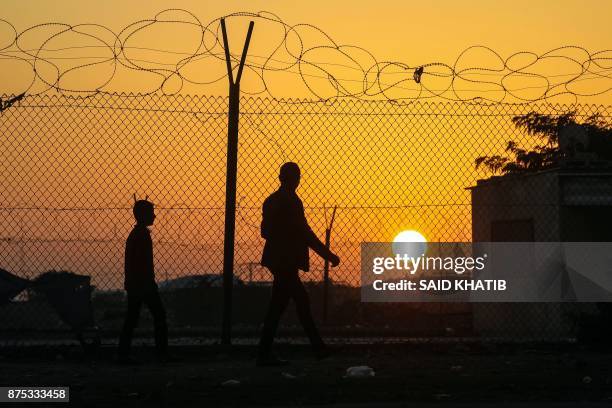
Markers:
point(363, 76)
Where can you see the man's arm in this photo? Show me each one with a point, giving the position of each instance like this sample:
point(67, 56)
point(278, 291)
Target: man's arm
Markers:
point(315, 243)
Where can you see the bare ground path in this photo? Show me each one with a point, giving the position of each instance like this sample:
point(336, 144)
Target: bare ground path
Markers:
point(408, 375)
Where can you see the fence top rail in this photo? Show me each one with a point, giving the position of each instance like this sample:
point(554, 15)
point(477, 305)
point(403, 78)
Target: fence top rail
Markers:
point(248, 101)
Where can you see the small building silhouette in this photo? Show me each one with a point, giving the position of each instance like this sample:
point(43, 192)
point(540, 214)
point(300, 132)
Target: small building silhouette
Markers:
point(566, 204)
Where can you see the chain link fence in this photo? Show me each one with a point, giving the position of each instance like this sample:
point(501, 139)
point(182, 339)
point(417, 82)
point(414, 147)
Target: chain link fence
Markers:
point(71, 166)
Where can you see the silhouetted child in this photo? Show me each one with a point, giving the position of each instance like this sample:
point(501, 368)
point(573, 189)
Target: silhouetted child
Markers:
point(140, 284)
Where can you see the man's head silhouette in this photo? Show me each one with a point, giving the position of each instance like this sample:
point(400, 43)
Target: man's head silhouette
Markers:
point(144, 212)
point(289, 175)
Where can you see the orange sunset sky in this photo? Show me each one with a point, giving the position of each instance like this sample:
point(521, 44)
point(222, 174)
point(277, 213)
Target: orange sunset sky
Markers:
point(422, 162)
point(414, 33)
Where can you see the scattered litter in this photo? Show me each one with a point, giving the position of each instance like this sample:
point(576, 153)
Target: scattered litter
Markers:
point(359, 372)
point(586, 379)
point(230, 383)
point(289, 376)
point(456, 368)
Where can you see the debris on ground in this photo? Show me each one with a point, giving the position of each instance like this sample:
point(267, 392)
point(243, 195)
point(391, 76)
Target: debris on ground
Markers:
point(359, 372)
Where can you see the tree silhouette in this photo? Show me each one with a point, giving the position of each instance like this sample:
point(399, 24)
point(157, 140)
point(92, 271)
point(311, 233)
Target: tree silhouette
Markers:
point(554, 146)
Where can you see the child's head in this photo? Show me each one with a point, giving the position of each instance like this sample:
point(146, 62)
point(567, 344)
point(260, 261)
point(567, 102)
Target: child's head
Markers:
point(144, 212)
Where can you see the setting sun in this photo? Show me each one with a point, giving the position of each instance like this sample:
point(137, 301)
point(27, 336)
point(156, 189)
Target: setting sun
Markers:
point(409, 236)
point(410, 243)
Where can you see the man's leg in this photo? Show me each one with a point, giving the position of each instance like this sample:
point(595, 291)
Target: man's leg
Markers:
point(302, 305)
point(278, 303)
point(131, 321)
point(155, 305)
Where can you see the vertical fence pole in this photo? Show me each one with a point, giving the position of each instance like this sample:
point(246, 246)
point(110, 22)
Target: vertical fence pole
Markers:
point(328, 230)
point(230, 182)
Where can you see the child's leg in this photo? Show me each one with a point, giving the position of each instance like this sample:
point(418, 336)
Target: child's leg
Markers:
point(155, 305)
point(131, 321)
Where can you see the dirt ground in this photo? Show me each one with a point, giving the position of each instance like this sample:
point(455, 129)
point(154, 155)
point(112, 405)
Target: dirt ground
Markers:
point(441, 374)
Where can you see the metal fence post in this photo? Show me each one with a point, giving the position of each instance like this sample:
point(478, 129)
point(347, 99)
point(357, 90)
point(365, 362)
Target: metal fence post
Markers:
point(328, 230)
point(230, 182)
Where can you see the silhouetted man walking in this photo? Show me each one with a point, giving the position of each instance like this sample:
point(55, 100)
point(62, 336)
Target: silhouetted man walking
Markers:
point(288, 238)
point(140, 284)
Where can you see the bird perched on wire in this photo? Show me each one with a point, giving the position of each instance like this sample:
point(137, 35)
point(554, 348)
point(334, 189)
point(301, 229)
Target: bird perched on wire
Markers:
point(8, 103)
point(417, 75)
